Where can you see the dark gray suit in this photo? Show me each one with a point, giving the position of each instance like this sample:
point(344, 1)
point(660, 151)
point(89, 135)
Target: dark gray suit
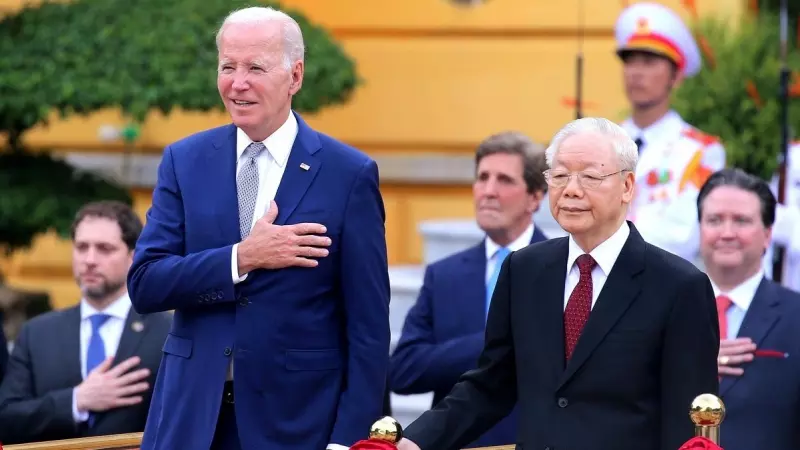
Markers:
point(45, 366)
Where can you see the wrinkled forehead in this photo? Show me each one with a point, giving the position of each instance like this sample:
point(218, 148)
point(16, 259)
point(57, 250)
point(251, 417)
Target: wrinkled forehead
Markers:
point(241, 41)
point(586, 151)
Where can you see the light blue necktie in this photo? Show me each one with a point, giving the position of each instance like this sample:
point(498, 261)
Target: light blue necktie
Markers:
point(501, 255)
point(96, 353)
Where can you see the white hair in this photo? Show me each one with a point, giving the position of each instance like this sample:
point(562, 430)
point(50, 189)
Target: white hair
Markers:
point(293, 46)
point(625, 148)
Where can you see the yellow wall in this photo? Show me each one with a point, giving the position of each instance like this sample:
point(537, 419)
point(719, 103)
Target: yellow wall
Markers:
point(437, 78)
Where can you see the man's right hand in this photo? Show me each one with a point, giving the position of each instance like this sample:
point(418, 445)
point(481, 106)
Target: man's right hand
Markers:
point(271, 246)
point(405, 444)
point(733, 352)
point(105, 388)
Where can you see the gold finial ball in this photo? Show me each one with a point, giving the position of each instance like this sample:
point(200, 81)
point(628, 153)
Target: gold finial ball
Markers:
point(386, 429)
point(707, 410)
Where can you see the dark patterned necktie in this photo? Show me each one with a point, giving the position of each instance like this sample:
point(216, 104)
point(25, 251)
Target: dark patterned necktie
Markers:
point(576, 314)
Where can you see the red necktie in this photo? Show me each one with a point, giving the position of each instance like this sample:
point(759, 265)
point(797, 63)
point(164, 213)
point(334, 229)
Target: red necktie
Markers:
point(579, 305)
point(723, 303)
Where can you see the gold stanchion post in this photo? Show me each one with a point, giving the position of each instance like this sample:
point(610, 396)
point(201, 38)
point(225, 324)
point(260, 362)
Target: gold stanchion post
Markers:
point(707, 413)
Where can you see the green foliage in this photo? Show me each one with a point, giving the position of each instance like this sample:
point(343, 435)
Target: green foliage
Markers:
point(80, 56)
point(140, 55)
point(32, 202)
point(717, 101)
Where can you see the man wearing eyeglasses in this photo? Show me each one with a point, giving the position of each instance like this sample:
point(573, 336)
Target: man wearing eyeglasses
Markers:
point(601, 340)
point(658, 52)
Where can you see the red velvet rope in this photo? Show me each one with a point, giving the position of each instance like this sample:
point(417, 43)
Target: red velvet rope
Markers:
point(373, 444)
point(700, 443)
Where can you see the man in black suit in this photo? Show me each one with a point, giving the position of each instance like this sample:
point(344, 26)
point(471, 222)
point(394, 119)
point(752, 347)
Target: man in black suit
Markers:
point(86, 370)
point(3, 350)
point(443, 333)
point(602, 338)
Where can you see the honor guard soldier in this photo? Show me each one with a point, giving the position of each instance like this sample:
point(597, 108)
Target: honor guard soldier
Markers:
point(658, 52)
point(786, 232)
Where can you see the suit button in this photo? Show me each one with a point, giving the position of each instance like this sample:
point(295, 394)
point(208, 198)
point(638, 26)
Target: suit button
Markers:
point(228, 351)
point(562, 402)
point(244, 301)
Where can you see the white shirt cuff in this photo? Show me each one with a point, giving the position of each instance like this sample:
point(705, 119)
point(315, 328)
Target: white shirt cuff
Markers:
point(78, 416)
point(337, 447)
point(235, 266)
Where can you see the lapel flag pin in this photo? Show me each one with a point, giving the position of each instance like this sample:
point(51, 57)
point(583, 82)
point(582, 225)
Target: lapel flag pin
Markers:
point(137, 326)
point(304, 166)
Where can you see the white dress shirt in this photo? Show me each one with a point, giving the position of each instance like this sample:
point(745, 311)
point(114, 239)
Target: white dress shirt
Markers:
point(604, 254)
point(271, 165)
point(110, 331)
point(492, 247)
point(741, 297)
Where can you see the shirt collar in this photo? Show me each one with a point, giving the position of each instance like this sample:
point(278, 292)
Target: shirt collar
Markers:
point(742, 295)
point(604, 254)
point(664, 128)
point(519, 243)
point(119, 308)
point(279, 144)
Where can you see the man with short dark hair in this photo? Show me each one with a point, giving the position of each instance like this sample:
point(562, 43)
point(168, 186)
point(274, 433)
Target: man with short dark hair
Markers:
point(86, 370)
point(759, 319)
point(443, 333)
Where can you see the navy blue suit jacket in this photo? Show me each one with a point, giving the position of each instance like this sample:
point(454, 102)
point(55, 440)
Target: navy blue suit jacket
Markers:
point(763, 405)
point(443, 333)
point(310, 345)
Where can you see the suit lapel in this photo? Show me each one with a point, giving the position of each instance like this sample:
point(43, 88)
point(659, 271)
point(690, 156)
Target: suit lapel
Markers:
point(761, 316)
point(472, 288)
point(223, 160)
point(301, 169)
point(70, 354)
point(546, 295)
point(620, 289)
point(136, 327)
point(538, 236)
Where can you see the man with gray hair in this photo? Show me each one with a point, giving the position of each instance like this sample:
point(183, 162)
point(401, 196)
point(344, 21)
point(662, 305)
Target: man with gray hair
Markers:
point(443, 333)
point(267, 239)
point(601, 339)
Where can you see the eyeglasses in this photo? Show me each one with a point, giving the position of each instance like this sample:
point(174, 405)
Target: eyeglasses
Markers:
point(589, 180)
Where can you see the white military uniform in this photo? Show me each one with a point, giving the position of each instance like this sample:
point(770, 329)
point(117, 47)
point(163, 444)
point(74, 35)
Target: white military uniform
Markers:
point(676, 158)
point(786, 231)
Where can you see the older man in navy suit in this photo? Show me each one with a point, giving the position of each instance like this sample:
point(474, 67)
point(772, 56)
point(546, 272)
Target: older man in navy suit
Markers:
point(443, 333)
point(759, 357)
point(267, 238)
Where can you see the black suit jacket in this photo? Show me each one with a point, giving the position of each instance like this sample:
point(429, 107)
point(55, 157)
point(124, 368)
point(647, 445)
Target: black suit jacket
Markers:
point(3, 350)
point(763, 405)
point(650, 346)
point(44, 367)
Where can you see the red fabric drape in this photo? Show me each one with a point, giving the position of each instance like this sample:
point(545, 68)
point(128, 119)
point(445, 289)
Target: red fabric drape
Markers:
point(700, 443)
point(373, 444)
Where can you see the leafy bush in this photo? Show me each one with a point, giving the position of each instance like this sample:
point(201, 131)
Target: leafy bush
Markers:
point(735, 96)
point(80, 56)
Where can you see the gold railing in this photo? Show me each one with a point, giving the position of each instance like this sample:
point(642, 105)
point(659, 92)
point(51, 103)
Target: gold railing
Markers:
point(707, 412)
point(130, 441)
